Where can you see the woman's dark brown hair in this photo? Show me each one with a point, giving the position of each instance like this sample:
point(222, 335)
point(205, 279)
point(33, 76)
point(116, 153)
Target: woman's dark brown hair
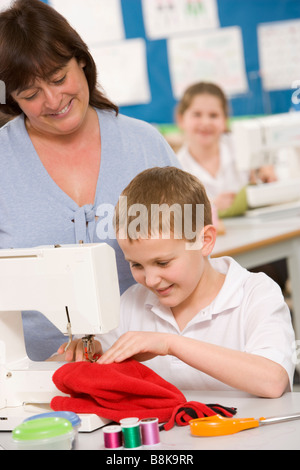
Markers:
point(36, 41)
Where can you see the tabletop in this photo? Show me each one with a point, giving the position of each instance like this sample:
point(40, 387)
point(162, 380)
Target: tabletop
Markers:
point(280, 436)
point(245, 234)
point(276, 436)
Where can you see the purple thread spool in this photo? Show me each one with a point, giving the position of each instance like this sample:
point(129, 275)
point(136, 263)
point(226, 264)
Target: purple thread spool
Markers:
point(149, 431)
point(113, 437)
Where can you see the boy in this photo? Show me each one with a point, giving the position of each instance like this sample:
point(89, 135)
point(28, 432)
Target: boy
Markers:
point(200, 323)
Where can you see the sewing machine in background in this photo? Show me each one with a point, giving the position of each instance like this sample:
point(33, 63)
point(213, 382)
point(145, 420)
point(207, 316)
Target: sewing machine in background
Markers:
point(76, 287)
point(272, 140)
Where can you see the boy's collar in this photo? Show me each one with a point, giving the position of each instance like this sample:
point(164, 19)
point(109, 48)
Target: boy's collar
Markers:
point(232, 292)
point(230, 296)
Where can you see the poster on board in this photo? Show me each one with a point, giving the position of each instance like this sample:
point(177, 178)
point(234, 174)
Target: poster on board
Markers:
point(121, 64)
point(165, 18)
point(122, 71)
point(279, 47)
point(96, 21)
point(215, 56)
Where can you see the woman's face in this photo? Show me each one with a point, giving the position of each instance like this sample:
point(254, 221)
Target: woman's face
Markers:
point(59, 105)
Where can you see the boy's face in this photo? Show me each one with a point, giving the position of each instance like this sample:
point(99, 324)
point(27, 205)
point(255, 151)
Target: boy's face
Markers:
point(165, 267)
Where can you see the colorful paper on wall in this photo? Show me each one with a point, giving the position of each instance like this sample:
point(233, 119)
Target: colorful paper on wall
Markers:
point(279, 47)
point(215, 55)
point(165, 18)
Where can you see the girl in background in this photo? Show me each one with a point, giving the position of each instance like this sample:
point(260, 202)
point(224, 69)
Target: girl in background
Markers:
point(202, 115)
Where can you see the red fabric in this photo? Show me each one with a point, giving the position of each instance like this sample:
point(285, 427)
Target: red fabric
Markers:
point(120, 390)
point(182, 414)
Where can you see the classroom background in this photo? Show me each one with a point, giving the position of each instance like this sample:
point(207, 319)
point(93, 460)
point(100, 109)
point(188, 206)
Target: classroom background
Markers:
point(148, 51)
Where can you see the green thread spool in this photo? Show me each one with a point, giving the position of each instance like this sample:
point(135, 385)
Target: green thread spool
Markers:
point(132, 436)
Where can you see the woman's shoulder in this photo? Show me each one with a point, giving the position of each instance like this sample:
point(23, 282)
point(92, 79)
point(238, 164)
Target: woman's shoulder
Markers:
point(12, 132)
point(137, 138)
point(13, 127)
point(12, 139)
point(126, 124)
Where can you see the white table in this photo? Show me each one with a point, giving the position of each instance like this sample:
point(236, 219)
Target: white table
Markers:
point(253, 242)
point(275, 436)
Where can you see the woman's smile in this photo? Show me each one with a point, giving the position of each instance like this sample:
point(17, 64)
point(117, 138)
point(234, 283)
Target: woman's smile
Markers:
point(63, 112)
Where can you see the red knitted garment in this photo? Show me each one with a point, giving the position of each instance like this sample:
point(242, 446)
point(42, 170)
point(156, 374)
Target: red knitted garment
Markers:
point(120, 390)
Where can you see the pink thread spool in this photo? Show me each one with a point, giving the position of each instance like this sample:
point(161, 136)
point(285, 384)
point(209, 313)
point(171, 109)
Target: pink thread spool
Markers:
point(113, 437)
point(149, 431)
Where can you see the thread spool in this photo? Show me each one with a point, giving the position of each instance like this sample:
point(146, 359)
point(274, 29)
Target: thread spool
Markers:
point(149, 431)
point(128, 421)
point(131, 433)
point(113, 437)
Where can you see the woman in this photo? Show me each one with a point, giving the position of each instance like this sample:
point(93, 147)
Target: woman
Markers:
point(68, 154)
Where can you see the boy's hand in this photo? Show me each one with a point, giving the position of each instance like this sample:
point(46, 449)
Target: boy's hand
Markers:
point(140, 345)
point(75, 350)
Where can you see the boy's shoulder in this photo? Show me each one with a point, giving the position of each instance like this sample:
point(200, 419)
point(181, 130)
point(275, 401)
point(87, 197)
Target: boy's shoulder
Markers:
point(240, 282)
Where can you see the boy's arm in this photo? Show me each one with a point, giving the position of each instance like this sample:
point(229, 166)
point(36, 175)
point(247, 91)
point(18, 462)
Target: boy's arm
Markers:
point(248, 372)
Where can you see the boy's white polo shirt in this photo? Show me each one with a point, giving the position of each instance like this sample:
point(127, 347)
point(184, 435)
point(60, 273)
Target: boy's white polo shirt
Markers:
point(249, 314)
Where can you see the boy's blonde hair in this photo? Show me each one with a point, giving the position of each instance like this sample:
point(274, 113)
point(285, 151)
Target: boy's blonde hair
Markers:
point(159, 193)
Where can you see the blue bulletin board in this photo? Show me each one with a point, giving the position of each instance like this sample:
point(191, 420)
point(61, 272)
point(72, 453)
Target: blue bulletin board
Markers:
point(247, 15)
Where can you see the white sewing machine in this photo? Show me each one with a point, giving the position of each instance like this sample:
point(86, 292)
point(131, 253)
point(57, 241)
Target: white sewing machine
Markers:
point(272, 140)
point(76, 287)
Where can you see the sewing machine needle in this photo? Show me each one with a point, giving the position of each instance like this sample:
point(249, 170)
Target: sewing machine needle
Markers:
point(68, 329)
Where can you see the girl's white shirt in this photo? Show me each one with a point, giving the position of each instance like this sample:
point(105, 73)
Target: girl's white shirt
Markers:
point(228, 178)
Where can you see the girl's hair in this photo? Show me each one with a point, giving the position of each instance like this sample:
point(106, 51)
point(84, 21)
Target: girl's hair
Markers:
point(202, 88)
point(35, 41)
point(157, 195)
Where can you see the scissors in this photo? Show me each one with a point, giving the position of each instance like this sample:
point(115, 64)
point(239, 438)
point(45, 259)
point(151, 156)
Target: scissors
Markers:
point(217, 425)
